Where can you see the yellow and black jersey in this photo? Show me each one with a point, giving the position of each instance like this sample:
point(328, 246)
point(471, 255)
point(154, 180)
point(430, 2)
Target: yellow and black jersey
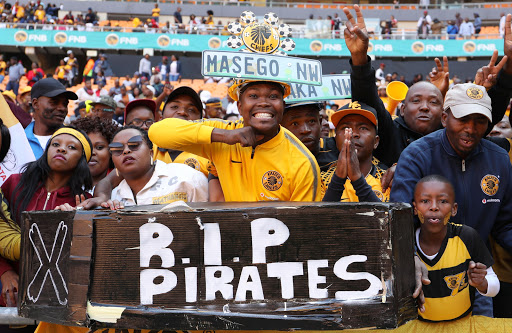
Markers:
point(281, 169)
point(328, 154)
point(373, 179)
point(449, 295)
point(176, 156)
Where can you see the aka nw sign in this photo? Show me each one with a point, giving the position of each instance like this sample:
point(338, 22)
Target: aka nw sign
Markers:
point(253, 266)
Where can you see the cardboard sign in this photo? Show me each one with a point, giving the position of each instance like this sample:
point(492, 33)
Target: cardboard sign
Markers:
point(253, 266)
point(255, 66)
point(333, 87)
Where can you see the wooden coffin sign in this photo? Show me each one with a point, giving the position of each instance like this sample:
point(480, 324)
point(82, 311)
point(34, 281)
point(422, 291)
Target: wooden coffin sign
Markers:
point(237, 266)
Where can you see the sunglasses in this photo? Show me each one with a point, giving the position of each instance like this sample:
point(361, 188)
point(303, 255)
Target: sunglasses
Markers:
point(117, 148)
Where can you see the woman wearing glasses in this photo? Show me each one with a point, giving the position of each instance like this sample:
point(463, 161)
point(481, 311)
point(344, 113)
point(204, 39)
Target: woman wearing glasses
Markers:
point(151, 182)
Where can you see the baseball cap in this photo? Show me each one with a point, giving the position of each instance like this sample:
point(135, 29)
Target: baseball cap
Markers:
point(189, 92)
point(108, 101)
point(468, 98)
point(10, 94)
point(355, 107)
point(149, 103)
point(50, 87)
point(289, 107)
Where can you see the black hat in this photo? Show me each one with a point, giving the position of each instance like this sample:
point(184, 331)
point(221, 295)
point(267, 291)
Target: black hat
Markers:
point(189, 92)
point(50, 87)
point(355, 107)
point(315, 105)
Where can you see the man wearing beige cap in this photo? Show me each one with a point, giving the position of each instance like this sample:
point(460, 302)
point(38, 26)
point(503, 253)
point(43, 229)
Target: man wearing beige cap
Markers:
point(479, 170)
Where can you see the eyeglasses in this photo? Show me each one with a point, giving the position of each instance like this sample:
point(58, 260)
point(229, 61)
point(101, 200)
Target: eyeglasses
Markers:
point(139, 122)
point(134, 144)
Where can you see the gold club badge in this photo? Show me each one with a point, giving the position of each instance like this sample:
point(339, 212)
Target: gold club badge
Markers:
point(490, 184)
point(272, 180)
point(260, 37)
point(475, 93)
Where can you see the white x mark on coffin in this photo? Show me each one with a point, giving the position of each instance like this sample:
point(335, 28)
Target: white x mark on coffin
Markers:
point(48, 264)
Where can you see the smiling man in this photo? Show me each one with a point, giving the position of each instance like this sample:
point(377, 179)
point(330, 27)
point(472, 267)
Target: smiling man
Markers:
point(50, 102)
point(479, 170)
point(256, 159)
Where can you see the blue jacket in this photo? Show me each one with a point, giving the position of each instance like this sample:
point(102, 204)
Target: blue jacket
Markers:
point(34, 143)
point(482, 182)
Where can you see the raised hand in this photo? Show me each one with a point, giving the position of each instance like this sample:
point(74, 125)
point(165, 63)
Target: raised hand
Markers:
point(487, 75)
point(356, 36)
point(507, 43)
point(440, 75)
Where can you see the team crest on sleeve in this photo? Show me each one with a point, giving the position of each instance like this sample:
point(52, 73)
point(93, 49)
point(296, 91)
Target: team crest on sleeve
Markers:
point(272, 180)
point(490, 184)
point(475, 93)
point(193, 163)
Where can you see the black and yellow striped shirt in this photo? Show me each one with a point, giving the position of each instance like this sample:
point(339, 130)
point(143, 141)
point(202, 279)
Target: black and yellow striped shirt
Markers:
point(449, 295)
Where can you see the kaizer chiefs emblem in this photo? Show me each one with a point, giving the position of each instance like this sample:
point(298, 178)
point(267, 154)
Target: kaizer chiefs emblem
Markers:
point(272, 180)
point(260, 38)
point(193, 163)
point(475, 93)
point(490, 184)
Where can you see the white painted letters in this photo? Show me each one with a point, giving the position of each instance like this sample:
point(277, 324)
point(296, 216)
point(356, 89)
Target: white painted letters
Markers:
point(266, 232)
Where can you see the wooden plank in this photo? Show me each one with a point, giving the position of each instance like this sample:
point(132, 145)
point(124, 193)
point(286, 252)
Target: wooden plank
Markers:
point(45, 247)
point(257, 266)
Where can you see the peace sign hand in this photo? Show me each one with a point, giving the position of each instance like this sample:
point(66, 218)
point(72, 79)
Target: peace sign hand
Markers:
point(356, 36)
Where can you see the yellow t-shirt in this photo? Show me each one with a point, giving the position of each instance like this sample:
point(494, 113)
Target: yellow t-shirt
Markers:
point(155, 12)
point(136, 22)
point(196, 162)
point(40, 14)
point(373, 179)
point(61, 72)
point(3, 66)
point(20, 12)
point(279, 169)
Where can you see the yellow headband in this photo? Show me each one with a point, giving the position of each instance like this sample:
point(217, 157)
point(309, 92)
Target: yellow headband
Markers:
point(79, 136)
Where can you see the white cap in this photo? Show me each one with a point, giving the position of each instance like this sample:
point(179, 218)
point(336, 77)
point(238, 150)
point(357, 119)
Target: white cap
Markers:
point(468, 98)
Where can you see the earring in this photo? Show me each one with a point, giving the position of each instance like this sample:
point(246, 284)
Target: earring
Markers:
point(152, 162)
point(117, 172)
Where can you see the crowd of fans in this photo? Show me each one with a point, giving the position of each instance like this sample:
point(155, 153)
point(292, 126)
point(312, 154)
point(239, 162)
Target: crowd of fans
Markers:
point(445, 149)
point(47, 16)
